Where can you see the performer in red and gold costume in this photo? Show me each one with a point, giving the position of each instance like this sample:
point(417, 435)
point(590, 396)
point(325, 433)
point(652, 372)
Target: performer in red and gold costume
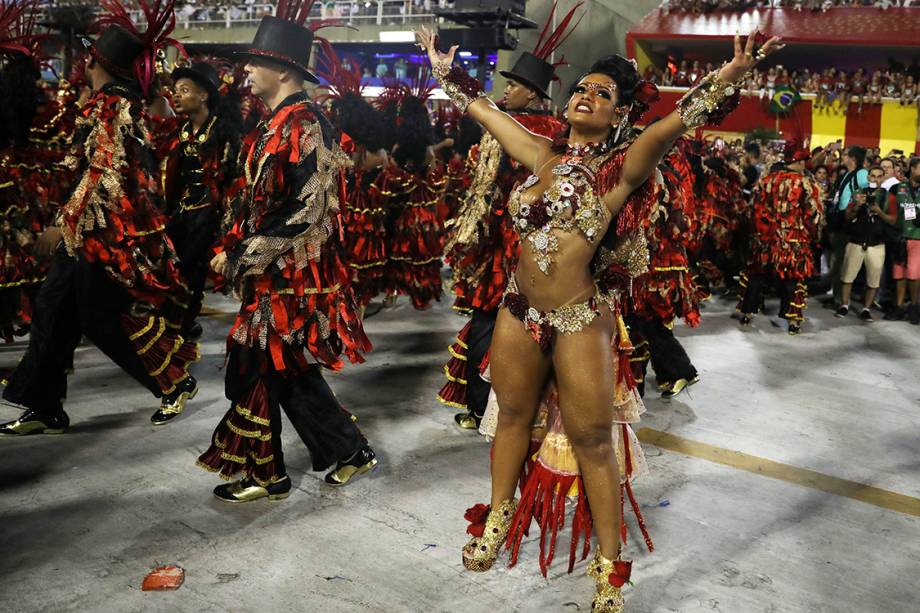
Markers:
point(114, 276)
point(559, 337)
point(482, 245)
point(25, 168)
point(667, 291)
point(413, 184)
point(365, 247)
point(200, 166)
point(786, 220)
point(298, 313)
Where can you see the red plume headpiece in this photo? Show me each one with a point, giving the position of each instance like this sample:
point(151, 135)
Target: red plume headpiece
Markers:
point(17, 22)
point(161, 21)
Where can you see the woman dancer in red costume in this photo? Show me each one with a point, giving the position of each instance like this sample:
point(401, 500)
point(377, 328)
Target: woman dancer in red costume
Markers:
point(580, 217)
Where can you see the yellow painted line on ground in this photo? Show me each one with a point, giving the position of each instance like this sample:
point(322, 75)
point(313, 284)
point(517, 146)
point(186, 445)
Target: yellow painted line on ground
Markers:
point(885, 499)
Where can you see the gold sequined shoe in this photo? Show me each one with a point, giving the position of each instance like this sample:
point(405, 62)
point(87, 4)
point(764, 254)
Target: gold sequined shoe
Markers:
point(172, 404)
point(247, 490)
point(609, 576)
point(480, 553)
point(466, 421)
point(364, 460)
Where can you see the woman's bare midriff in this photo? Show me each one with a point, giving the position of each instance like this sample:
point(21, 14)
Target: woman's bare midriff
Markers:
point(570, 279)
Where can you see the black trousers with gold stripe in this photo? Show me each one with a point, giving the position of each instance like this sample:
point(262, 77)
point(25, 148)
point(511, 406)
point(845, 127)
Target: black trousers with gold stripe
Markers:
point(76, 299)
point(325, 427)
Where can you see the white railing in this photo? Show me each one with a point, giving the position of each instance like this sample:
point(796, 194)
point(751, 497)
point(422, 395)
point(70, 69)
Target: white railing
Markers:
point(247, 13)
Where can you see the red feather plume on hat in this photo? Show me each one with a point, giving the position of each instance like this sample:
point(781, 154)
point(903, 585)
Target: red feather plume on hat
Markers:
point(341, 80)
point(17, 23)
point(550, 40)
point(161, 21)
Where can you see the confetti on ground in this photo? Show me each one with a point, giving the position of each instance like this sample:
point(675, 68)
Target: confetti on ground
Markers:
point(163, 578)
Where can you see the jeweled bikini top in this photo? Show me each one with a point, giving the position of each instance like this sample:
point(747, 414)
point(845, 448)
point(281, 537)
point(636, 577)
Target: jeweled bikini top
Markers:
point(569, 204)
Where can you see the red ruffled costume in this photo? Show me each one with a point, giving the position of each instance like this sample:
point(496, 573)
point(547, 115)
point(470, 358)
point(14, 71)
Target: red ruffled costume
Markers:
point(284, 263)
point(416, 237)
point(364, 218)
point(112, 219)
point(667, 290)
point(787, 214)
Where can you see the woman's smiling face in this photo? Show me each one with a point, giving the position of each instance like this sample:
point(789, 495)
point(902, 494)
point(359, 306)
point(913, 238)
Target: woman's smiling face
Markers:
point(593, 104)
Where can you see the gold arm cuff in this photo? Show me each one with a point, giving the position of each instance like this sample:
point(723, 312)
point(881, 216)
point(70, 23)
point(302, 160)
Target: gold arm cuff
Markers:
point(702, 100)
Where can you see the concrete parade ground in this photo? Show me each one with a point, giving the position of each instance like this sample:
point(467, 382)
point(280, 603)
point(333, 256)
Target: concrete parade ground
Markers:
point(787, 480)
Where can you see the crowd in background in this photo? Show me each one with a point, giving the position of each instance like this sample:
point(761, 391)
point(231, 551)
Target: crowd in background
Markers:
point(831, 86)
point(707, 6)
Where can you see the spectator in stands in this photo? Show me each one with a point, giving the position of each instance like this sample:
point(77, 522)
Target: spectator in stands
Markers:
point(865, 222)
point(382, 69)
point(401, 69)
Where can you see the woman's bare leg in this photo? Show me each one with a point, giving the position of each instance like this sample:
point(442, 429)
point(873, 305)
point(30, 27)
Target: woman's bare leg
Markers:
point(519, 372)
point(586, 377)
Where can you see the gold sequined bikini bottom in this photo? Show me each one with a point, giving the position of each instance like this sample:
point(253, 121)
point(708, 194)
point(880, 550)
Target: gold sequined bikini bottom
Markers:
point(543, 325)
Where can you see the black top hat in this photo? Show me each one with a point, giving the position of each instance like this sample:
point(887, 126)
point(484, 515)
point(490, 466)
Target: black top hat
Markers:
point(204, 75)
point(116, 49)
point(532, 72)
point(285, 42)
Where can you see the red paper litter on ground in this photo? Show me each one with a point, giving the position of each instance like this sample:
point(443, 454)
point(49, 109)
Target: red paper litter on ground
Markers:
point(163, 578)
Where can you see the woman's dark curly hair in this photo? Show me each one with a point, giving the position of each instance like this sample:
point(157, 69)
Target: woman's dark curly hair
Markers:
point(21, 95)
point(623, 73)
point(355, 116)
point(414, 134)
point(627, 80)
point(469, 133)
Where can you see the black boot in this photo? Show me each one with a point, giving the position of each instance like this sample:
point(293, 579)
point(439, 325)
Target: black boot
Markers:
point(34, 422)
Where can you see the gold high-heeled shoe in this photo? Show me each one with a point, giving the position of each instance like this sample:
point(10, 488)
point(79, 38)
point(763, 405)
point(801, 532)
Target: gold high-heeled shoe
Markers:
point(479, 554)
point(609, 576)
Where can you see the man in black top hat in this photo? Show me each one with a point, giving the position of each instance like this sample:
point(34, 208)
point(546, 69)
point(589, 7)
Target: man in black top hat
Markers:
point(113, 276)
point(298, 313)
point(200, 166)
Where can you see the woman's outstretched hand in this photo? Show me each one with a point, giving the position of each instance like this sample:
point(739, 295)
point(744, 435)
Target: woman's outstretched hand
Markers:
point(427, 41)
point(745, 57)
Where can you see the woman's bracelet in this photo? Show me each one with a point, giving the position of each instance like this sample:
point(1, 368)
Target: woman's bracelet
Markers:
point(460, 87)
point(709, 102)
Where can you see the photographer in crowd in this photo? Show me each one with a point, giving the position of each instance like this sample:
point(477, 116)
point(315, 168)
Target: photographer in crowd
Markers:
point(865, 225)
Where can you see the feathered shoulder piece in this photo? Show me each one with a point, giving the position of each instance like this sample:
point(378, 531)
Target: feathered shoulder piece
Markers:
point(160, 16)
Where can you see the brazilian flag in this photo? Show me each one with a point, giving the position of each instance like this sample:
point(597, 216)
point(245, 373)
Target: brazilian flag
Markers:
point(784, 98)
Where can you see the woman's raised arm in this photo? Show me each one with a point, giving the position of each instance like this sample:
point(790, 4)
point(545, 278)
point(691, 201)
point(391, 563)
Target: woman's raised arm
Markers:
point(692, 111)
point(522, 145)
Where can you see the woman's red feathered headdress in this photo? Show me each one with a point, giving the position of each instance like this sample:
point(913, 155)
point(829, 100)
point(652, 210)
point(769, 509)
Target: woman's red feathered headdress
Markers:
point(161, 21)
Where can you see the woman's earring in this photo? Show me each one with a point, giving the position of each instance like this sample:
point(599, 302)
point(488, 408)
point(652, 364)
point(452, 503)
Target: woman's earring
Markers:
point(624, 118)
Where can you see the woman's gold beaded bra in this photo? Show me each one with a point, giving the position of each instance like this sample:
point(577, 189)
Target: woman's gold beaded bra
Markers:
point(570, 204)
